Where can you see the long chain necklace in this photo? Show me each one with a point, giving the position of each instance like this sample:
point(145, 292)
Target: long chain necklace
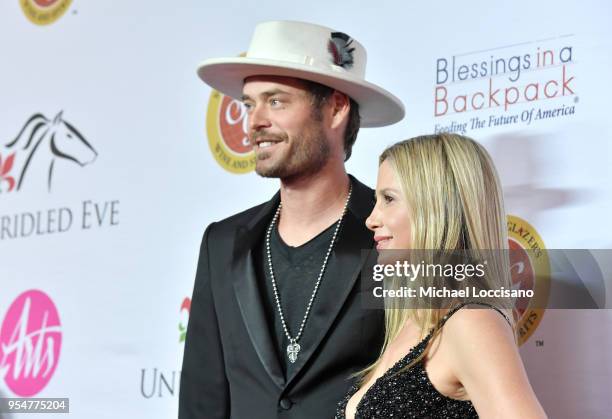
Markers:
point(294, 347)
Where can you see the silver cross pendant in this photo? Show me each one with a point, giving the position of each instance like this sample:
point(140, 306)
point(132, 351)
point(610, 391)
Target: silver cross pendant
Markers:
point(292, 351)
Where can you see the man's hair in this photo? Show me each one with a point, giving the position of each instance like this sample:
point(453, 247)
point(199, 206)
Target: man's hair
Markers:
point(320, 94)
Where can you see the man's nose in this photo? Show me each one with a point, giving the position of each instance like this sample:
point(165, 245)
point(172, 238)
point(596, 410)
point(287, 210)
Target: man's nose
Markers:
point(258, 118)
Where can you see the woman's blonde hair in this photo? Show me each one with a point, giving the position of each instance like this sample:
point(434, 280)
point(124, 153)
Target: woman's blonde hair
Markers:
point(455, 201)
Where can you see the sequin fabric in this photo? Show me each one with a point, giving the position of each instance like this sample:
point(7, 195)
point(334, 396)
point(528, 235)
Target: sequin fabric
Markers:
point(408, 394)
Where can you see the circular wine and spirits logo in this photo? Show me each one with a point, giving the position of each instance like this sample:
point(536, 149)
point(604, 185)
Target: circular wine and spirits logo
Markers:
point(226, 126)
point(530, 268)
point(44, 12)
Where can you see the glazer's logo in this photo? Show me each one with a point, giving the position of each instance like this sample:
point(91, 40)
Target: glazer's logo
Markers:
point(44, 12)
point(185, 310)
point(37, 147)
point(30, 343)
point(530, 269)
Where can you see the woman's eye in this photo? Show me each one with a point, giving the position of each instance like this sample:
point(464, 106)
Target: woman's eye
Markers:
point(247, 106)
point(388, 198)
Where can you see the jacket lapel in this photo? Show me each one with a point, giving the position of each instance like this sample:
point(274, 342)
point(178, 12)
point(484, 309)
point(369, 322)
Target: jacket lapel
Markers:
point(248, 293)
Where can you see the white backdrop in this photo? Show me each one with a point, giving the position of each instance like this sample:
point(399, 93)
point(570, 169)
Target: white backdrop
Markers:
point(111, 238)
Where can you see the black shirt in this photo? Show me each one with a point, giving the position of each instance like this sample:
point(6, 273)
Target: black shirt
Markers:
point(296, 270)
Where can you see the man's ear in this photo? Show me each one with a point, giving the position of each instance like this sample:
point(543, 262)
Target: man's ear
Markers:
point(340, 106)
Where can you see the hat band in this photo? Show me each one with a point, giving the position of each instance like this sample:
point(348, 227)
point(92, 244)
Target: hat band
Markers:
point(308, 60)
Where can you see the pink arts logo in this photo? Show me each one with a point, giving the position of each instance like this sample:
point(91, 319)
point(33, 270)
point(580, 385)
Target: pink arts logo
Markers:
point(30, 342)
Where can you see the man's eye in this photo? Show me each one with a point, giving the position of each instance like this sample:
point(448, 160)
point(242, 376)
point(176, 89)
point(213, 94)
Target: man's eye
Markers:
point(247, 106)
point(275, 102)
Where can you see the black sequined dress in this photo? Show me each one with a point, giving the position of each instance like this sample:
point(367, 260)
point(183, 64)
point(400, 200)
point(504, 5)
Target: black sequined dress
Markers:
point(409, 394)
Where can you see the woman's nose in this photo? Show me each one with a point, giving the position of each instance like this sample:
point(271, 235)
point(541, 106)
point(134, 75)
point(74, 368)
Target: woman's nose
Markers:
point(373, 221)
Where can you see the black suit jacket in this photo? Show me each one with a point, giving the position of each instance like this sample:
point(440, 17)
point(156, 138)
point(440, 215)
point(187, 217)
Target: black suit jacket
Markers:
point(230, 367)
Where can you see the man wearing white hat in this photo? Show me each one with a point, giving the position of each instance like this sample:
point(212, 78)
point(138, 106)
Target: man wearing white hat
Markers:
point(276, 326)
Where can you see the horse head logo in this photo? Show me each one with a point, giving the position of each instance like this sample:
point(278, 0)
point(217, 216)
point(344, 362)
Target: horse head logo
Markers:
point(38, 145)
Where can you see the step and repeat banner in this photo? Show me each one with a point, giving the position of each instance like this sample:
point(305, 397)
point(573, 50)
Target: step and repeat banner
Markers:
point(114, 157)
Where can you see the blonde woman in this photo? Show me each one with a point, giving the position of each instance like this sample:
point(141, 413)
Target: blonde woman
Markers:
point(442, 192)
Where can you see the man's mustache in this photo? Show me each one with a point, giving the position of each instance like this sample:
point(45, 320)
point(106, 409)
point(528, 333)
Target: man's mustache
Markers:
point(267, 135)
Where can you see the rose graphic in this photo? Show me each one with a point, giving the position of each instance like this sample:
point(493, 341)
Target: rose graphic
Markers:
point(5, 167)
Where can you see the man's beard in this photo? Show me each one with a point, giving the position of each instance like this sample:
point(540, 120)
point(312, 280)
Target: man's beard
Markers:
point(307, 154)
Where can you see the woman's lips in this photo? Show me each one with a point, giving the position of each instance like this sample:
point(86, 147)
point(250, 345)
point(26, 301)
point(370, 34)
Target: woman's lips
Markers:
point(382, 241)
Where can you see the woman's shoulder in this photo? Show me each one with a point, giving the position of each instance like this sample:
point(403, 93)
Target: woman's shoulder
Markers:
point(483, 356)
point(474, 323)
point(479, 337)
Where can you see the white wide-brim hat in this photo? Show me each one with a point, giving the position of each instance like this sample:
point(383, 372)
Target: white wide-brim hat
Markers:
point(309, 52)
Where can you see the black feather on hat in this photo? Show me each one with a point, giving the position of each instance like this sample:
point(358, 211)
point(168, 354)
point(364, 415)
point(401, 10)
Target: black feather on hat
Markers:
point(338, 46)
